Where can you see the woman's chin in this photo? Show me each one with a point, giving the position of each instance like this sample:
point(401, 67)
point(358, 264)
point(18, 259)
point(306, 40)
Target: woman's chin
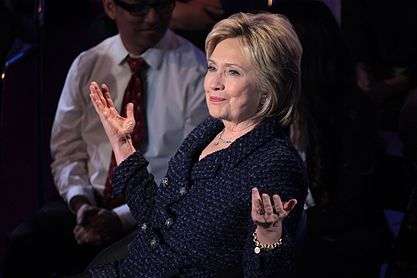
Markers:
point(215, 113)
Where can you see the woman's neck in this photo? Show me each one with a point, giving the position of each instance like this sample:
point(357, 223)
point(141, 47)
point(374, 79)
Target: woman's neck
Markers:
point(233, 130)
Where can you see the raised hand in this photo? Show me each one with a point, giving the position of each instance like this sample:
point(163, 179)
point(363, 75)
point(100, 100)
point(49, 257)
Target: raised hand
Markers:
point(117, 128)
point(268, 217)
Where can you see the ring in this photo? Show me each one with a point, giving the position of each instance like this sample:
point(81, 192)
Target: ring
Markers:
point(260, 211)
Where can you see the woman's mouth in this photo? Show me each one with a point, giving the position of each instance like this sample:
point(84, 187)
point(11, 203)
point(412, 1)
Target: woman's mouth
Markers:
point(215, 99)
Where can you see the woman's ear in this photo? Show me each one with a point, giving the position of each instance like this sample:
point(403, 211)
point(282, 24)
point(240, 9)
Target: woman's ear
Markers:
point(109, 8)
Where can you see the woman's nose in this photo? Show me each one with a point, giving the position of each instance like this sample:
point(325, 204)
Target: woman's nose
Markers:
point(217, 82)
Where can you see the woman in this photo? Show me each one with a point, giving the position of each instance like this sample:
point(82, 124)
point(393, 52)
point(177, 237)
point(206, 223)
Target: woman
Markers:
point(198, 222)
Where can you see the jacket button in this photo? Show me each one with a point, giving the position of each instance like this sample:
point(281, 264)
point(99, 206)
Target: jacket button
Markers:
point(169, 222)
point(152, 243)
point(183, 190)
point(144, 227)
point(165, 182)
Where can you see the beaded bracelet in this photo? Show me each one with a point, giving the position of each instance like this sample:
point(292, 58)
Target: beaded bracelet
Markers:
point(260, 246)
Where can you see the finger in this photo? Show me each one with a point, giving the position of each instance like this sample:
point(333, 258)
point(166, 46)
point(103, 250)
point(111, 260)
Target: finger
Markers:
point(289, 205)
point(98, 102)
point(267, 206)
point(98, 93)
point(88, 216)
point(86, 235)
point(279, 209)
point(106, 94)
point(267, 223)
point(95, 222)
point(83, 237)
point(129, 111)
point(91, 237)
point(78, 233)
point(256, 202)
point(95, 90)
point(93, 100)
point(98, 105)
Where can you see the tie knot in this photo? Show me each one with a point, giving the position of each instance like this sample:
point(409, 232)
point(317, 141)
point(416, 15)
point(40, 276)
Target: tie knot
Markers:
point(136, 64)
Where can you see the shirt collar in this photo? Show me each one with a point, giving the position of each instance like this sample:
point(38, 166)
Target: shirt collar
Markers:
point(153, 56)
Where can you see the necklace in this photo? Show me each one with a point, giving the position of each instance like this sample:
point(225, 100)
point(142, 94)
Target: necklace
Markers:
point(220, 139)
point(228, 142)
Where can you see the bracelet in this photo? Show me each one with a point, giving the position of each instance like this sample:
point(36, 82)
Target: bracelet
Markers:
point(259, 246)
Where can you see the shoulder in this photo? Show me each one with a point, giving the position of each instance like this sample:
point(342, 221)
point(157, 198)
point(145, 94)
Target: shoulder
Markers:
point(277, 155)
point(89, 58)
point(277, 167)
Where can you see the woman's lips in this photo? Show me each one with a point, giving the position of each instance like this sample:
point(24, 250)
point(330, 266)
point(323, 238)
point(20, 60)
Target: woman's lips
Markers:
point(216, 99)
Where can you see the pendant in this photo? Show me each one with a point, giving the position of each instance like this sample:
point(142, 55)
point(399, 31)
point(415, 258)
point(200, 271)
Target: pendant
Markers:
point(257, 250)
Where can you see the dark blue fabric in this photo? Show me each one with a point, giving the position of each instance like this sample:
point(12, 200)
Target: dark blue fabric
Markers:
point(198, 223)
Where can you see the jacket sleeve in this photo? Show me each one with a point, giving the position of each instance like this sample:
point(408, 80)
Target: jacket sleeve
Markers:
point(285, 177)
point(132, 178)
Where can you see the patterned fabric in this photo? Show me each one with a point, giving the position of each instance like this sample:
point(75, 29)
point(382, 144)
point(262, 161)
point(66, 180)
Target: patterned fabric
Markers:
point(197, 222)
point(135, 93)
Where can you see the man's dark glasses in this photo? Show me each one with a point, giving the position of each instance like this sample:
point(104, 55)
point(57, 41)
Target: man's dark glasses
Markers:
point(142, 8)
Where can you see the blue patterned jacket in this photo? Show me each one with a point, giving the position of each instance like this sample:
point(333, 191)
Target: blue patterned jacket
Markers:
point(197, 222)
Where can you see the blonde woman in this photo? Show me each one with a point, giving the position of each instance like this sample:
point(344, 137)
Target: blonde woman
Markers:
point(225, 202)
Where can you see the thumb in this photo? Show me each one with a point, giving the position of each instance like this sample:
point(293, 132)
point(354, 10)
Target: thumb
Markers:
point(129, 111)
point(288, 206)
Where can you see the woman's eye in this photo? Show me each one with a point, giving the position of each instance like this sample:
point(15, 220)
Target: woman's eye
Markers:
point(211, 68)
point(234, 72)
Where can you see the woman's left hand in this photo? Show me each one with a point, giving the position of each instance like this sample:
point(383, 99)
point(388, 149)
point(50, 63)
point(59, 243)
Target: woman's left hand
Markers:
point(268, 216)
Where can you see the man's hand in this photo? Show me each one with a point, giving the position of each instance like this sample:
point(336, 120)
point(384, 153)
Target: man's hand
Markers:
point(97, 226)
point(86, 213)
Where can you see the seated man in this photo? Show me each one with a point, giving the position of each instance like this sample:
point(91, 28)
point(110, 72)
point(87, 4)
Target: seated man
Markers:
point(147, 65)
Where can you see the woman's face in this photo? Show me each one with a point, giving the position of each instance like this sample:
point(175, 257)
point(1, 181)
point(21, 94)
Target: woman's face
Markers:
point(230, 83)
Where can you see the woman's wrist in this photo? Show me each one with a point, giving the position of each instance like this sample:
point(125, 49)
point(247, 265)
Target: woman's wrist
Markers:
point(261, 246)
point(268, 236)
point(123, 148)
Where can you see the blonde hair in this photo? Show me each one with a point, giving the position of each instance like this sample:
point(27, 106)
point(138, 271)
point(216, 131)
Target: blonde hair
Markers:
point(272, 46)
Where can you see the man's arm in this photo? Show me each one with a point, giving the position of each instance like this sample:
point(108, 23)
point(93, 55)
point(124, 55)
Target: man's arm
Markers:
point(68, 150)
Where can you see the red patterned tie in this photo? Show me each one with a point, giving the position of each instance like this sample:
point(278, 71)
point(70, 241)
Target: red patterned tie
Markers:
point(135, 94)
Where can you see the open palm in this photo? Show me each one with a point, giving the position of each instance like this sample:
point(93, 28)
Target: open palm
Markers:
point(117, 127)
point(268, 216)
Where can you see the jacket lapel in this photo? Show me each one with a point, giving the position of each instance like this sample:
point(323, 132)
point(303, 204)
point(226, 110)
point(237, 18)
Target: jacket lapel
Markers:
point(181, 165)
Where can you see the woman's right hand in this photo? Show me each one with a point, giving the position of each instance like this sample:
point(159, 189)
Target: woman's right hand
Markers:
point(118, 128)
